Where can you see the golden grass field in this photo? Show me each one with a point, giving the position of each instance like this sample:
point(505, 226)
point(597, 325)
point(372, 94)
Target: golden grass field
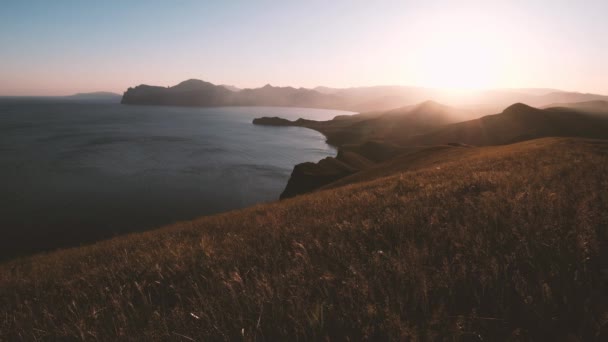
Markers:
point(485, 244)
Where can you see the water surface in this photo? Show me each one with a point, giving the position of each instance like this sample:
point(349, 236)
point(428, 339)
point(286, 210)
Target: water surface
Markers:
point(78, 172)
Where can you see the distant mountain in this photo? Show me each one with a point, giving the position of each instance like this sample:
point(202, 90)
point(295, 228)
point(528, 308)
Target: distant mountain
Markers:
point(96, 96)
point(482, 102)
point(358, 99)
point(565, 97)
point(382, 98)
point(199, 93)
point(231, 87)
point(326, 90)
point(287, 96)
point(188, 93)
point(533, 91)
point(596, 107)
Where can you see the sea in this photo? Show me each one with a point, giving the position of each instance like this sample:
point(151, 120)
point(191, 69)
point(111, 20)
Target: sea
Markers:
point(72, 173)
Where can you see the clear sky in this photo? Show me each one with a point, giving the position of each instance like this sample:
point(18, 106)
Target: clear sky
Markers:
point(62, 47)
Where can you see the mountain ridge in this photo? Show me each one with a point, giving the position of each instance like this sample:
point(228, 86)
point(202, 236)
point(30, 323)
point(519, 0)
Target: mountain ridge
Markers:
point(358, 99)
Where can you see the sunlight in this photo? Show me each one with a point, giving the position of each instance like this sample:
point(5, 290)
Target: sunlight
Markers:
point(458, 55)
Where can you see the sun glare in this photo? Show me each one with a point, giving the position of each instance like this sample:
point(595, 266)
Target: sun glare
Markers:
point(459, 55)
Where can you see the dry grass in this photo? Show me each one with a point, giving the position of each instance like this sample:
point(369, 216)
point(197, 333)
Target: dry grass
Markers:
point(506, 243)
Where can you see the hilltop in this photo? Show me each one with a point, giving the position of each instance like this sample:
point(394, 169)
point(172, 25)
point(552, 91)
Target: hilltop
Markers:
point(484, 243)
point(517, 122)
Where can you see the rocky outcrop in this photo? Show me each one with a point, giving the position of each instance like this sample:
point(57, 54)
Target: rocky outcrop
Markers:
point(307, 177)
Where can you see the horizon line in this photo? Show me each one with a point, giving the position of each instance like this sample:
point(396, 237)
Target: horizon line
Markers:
point(445, 89)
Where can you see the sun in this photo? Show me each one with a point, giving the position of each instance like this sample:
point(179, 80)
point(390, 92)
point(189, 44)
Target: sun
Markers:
point(460, 56)
point(459, 65)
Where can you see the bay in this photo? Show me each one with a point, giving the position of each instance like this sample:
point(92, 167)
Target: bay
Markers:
point(73, 173)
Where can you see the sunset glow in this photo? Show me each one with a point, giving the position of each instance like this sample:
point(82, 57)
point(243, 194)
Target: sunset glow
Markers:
point(56, 48)
point(456, 54)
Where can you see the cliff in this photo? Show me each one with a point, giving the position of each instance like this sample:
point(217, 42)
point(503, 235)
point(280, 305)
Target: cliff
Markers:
point(307, 177)
point(351, 159)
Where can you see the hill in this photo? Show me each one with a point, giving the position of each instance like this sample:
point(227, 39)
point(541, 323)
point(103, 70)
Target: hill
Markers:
point(489, 243)
point(393, 125)
point(407, 130)
point(363, 140)
point(431, 123)
point(518, 122)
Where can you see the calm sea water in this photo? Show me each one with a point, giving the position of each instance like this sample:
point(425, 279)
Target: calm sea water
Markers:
point(72, 173)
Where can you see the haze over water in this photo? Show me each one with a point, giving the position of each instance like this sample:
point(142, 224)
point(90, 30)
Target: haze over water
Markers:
point(77, 172)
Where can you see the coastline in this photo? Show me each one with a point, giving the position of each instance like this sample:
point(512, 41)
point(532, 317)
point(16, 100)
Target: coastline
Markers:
point(308, 176)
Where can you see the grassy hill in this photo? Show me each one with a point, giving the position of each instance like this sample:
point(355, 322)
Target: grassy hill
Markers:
point(378, 136)
point(431, 123)
point(518, 122)
point(490, 243)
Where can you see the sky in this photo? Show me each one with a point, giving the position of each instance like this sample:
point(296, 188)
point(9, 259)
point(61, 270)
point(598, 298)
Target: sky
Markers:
point(63, 47)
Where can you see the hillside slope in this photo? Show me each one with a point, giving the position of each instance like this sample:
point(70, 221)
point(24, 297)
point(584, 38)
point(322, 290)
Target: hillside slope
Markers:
point(509, 242)
point(517, 122)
